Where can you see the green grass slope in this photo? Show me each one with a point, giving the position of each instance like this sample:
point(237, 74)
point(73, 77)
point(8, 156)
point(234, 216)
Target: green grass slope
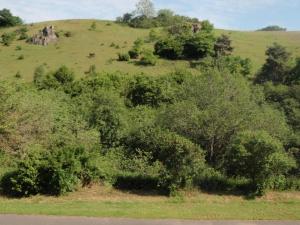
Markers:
point(74, 51)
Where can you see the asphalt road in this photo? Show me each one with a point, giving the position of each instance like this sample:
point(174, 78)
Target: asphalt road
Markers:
point(52, 220)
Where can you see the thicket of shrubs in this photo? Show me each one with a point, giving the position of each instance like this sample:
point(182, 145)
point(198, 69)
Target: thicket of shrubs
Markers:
point(215, 130)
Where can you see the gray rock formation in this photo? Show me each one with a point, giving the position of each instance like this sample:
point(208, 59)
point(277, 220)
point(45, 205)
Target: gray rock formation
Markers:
point(44, 37)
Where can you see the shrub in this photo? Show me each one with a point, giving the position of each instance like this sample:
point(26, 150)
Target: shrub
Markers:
point(23, 36)
point(148, 59)
point(147, 91)
point(169, 48)
point(51, 172)
point(18, 48)
point(18, 75)
point(181, 160)
point(64, 75)
point(259, 157)
point(21, 57)
point(123, 57)
point(68, 34)
point(93, 26)
point(134, 53)
point(8, 38)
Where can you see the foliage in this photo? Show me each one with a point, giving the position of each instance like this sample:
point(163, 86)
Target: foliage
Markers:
point(180, 158)
point(277, 66)
point(8, 38)
point(8, 20)
point(170, 48)
point(259, 157)
point(223, 46)
point(182, 42)
point(136, 50)
point(145, 8)
point(54, 173)
point(273, 28)
point(148, 59)
point(123, 57)
point(148, 91)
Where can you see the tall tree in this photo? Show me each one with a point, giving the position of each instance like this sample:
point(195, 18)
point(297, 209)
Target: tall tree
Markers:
point(8, 20)
point(277, 66)
point(145, 8)
point(223, 46)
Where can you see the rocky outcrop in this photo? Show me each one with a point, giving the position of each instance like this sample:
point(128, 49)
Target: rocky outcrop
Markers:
point(44, 37)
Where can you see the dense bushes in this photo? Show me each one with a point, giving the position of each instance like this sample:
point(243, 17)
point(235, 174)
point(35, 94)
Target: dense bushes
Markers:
point(55, 173)
point(181, 160)
point(258, 157)
point(182, 42)
point(213, 129)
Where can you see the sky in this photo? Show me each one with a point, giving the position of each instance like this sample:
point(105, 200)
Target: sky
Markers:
point(226, 14)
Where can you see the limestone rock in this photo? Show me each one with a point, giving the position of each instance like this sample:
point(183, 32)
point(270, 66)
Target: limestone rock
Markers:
point(44, 37)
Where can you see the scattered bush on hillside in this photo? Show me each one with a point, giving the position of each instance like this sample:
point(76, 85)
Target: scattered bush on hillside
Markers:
point(21, 57)
point(8, 38)
point(148, 59)
point(123, 57)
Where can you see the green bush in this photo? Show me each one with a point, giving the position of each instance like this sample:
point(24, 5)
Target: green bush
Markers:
point(259, 157)
point(8, 38)
point(51, 172)
point(148, 91)
point(123, 57)
point(148, 59)
point(21, 57)
point(134, 53)
point(169, 48)
point(181, 159)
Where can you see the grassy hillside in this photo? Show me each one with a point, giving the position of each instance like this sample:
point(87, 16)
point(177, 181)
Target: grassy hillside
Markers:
point(74, 51)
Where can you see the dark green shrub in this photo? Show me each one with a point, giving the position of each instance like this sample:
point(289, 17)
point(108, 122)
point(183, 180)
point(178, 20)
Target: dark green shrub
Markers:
point(181, 160)
point(18, 48)
point(123, 57)
point(18, 75)
point(9, 20)
point(132, 181)
point(21, 57)
point(148, 91)
point(64, 75)
point(68, 34)
point(51, 172)
point(169, 48)
point(23, 36)
point(258, 157)
point(134, 53)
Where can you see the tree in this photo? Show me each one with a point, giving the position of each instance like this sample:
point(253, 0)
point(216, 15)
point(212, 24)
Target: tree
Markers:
point(277, 66)
point(199, 45)
point(182, 160)
point(259, 157)
point(273, 28)
point(145, 8)
point(223, 46)
point(8, 20)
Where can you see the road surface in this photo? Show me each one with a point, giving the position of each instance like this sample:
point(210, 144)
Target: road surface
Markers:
point(52, 220)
